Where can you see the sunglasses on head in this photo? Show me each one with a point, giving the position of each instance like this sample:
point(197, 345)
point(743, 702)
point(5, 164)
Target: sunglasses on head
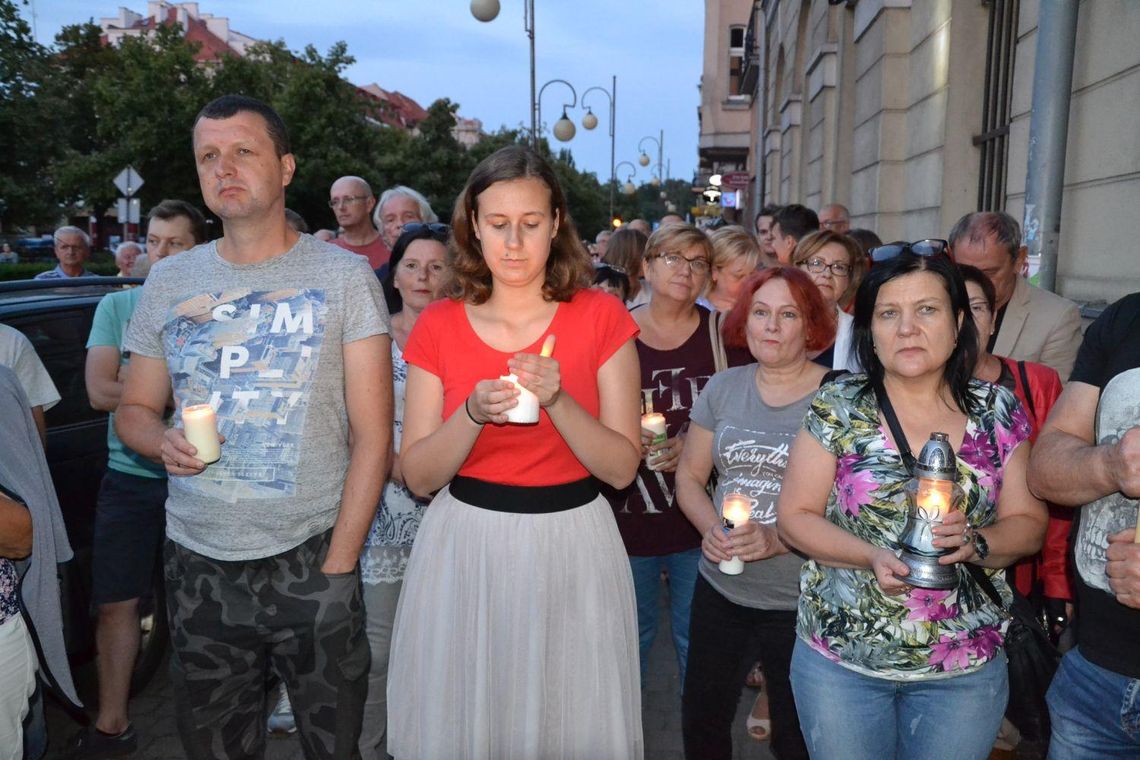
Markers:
point(929, 247)
point(437, 229)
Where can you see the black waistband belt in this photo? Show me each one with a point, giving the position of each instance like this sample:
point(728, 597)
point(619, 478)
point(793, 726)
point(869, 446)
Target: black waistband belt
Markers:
point(527, 500)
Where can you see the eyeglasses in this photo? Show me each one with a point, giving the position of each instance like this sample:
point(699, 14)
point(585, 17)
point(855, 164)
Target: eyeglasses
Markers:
point(928, 247)
point(347, 200)
point(437, 230)
point(698, 267)
point(817, 266)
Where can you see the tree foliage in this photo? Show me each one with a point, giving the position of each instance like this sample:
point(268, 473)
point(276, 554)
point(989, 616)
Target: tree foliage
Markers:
point(75, 115)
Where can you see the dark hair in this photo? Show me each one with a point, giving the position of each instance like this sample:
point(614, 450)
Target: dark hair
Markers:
point(819, 318)
point(977, 226)
point(960, 366)
point(296, 221)
point(866, 239)
point(388, 282)
point(769, 209)
point(975, 275)
point(231, 105)
point(172, 208)
point(607, 275)
point(568, 268)
point(796, 220)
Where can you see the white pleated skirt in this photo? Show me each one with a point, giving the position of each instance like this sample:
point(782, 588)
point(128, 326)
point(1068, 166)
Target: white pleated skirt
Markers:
point(515, 639)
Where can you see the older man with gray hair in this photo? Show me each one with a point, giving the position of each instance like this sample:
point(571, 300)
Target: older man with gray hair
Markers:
point(1030, 324)
point(398, 206)
point(126, 255)
point(72, 248)
point(835, 217)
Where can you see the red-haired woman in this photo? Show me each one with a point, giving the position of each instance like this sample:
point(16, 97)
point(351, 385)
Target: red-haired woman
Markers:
point(743, 424)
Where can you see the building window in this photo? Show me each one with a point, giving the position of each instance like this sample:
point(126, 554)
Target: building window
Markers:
point(993, 141)
point(735, 61)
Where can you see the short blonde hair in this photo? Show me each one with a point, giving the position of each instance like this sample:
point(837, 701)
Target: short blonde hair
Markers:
point(811, 244)
point(676, 238)
point(732, 243)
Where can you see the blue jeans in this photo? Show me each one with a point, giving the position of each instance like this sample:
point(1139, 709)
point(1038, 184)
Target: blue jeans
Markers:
point(846, 715)
point(682, 568)
point(1095, 713)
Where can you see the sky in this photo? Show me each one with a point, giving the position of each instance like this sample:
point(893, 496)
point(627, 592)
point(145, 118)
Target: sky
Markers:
point(436, 48)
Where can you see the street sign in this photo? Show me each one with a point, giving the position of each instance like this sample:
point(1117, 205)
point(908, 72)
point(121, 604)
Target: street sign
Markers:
point(736, 179)
point(128, 181)
point(129, 210)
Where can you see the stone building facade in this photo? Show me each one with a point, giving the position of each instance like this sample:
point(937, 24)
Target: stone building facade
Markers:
point(914, 112)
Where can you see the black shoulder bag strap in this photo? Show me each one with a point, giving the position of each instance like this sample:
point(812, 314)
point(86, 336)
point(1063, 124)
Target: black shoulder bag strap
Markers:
point(1028, 391)
point(896, 429)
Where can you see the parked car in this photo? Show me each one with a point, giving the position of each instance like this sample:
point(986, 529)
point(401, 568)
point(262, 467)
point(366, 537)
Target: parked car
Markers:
point(56, 317)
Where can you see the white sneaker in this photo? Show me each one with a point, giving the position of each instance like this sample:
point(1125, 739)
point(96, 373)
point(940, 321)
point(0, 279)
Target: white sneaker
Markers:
point(281, 719)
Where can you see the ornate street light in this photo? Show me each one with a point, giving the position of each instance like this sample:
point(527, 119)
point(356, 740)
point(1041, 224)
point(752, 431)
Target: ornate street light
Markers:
point(589, 121)
point(563, 128)
point(487, 10)
point(644, 159)
point(628, 188)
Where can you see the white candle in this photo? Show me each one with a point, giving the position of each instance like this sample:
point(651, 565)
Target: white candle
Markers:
point(527, 410)
point(200, 425)
point(654, 422)
point(735, 511)
point(1137, 538)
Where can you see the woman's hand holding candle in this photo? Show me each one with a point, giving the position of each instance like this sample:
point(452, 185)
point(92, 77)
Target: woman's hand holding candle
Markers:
point(952, 534)
point(662, 457)
point(736, 513)
point(539, 373)
point(490, 400)
point(716, 544)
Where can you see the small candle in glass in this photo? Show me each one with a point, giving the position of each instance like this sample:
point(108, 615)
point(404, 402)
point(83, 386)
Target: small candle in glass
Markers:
point(654, 422)
point(735, 511)
point(200, 426)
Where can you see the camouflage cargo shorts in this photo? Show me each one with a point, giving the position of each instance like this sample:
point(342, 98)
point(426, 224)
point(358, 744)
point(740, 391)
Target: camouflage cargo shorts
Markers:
point(233, 623)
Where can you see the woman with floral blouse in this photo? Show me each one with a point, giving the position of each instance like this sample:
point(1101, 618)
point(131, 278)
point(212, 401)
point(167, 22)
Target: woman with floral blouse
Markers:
point(882, 668)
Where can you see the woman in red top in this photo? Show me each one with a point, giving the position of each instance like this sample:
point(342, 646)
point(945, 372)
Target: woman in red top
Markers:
point(1037, 388)
point(516, 633)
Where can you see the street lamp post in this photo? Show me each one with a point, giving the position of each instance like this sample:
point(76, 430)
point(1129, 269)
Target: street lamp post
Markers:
point(628, 188)
point(643, 159)
point(563, 128)
point(487, 10)
point(589, 121)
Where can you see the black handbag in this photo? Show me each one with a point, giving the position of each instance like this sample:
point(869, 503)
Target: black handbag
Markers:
point(1032, 662)
point(1031, 655)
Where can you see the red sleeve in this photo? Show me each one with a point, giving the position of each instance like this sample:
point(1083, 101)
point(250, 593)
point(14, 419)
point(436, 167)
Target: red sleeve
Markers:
point(423, 348)
point(614, 324)
point(1053, 562)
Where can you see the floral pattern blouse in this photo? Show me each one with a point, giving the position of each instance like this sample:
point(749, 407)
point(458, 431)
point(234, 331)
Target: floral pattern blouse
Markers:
point(9, 583)
point(843, 613)
point(389, 541)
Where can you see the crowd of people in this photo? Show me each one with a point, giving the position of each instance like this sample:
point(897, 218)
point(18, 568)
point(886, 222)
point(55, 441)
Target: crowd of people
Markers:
point(459, 460)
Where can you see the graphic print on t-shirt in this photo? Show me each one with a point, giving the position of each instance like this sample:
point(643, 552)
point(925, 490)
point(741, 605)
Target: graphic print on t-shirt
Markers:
point(1117, 412)
point(753, 464)
point(253, 356)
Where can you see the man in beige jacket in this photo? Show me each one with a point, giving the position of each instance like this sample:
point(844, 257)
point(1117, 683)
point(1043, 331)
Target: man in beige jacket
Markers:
point(1031, 324)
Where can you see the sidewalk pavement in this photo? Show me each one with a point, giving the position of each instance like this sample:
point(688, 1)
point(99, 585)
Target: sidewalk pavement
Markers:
point(153, 714)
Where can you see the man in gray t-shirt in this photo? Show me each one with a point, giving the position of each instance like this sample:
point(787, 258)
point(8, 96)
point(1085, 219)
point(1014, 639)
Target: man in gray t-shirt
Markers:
point(286, 338)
